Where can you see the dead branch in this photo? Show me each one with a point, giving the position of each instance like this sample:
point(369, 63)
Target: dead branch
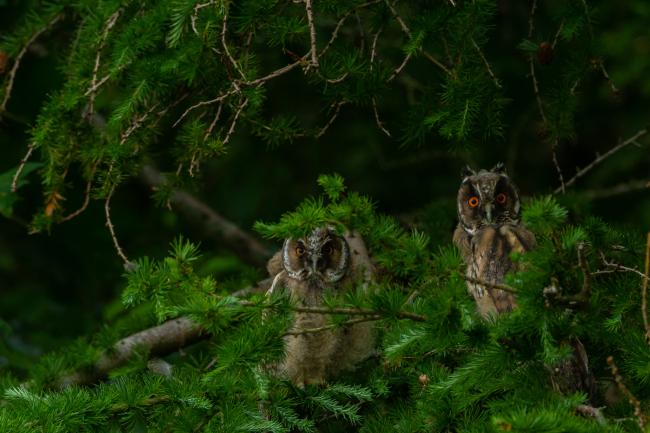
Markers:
point(224, 30)
point(600, 158)
point(486, 63)
point(211, 223)
point(337, 107)
point(111, 228)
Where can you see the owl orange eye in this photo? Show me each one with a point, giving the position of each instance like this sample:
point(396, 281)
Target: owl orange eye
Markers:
point(501, 198)
point(300, 251)
point(473, 201)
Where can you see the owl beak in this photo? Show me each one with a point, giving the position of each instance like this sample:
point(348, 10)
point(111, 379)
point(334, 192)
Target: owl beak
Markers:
point(314, 264)
point(488, 212)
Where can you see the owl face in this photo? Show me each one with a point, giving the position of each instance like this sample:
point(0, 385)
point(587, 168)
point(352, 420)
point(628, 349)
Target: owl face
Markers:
point(487, 199)
point(321, 257)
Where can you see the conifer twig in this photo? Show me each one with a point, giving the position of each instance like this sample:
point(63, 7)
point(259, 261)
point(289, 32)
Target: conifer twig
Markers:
point(21, 167)
point(486, 63)
point(499, 286)
point(14, 68)
point(91, 93)
point(356, 312)
point(644, 290)
point(380, 124)
point(234, 121)
point(626, 392)
point(312, 33)
point(86, 201)
point(111, 228)
point(600, 158)
point(337, 107)
point(224, 30)
point(332, 326)
point(615, 267)
point(408, 33)
point(213, 224)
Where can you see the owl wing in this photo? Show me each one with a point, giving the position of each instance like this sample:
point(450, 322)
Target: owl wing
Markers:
point(463, 241)
point(274, 265)
point(356, 342)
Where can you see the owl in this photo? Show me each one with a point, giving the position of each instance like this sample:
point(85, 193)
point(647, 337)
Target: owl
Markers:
point(489, 229)
point(309, 268)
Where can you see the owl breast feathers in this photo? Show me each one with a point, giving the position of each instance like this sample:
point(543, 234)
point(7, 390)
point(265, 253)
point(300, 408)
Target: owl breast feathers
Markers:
point(489, 229)
point(309, 268)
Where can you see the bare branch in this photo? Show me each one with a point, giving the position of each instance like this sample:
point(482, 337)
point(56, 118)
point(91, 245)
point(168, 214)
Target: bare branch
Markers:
point(234, 121)
point(399, 69)
point(86, 202)
point(380, 124)
point(110, 23)
point(337, 107)
point(333, 326)
point(224, 29)
point(486, 63)
point(111, 228)
point(626, 392)
point(211, 223)
point(312, 33)
point(601, 158)
point(21, 167)
point(12, 72)
point(484, 283)
point(157, 341)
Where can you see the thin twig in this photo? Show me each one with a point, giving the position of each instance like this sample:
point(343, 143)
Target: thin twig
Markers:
point(203, 103)
point(356, 312)
point(486, 63)
point(644, 290)
point(14, 181)
point(86, 202)
point(625, 391)
point(12, 72)
point(110, 23)
point(224, 29)
point(490, 285)
point(234, 121)
point(557, 34)
point(216, 118)
point(312, 33)
point(332, 326)
point(408, 33)
point(340, 23)
point(615, 267)
point(380, 124)
point(399, 69)
point(195, 14)
point(601, 158)
point(111, 229)
point(337, 108)
point(538, 98)
point(612, 86)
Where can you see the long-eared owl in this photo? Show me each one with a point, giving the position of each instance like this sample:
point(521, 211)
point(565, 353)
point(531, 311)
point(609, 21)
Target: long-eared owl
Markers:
point(489, 229)
point(321, 263)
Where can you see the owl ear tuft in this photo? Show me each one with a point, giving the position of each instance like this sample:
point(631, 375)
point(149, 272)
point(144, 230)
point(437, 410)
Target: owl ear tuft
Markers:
point(466, 172)
point(500, 168)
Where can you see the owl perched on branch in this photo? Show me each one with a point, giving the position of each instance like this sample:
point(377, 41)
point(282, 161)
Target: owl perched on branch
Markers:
point(321, 263)
point(489, 229)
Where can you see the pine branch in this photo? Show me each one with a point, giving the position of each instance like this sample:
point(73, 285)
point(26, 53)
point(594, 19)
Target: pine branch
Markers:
point(604, 156)
point(626, 392)
point(213, 225)
point(12, 73)
point(484, 283)
point(157, 341)
point(622, 188)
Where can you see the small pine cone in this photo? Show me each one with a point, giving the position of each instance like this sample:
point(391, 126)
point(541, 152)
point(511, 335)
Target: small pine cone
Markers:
point(423, 379)
point(545, 53)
